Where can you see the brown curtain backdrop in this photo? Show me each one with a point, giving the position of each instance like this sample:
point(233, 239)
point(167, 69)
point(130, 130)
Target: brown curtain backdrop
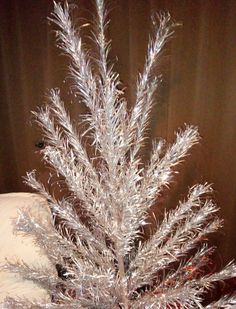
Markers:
point(199, 72)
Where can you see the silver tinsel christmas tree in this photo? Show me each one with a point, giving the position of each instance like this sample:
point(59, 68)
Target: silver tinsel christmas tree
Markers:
point(97, 244)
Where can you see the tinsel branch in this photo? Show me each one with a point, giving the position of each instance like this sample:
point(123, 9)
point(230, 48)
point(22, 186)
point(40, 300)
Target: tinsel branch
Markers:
point(72, 136)
point(226, 302)
point(147, 83)
point(174, 238)
point(39, 275)
point(48, 239)
point(69, 220)
point(188, 268)
point(147, 184)
point(74, 166)
point(69, 41)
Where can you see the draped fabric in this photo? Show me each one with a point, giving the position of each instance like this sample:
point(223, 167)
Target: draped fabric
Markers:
point(199, 75)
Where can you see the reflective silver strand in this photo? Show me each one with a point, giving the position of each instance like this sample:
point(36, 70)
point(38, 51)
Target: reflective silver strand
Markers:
point(95, 240)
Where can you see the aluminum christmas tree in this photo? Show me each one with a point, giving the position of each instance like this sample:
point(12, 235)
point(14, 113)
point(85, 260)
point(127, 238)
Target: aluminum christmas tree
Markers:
point(102, 259)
